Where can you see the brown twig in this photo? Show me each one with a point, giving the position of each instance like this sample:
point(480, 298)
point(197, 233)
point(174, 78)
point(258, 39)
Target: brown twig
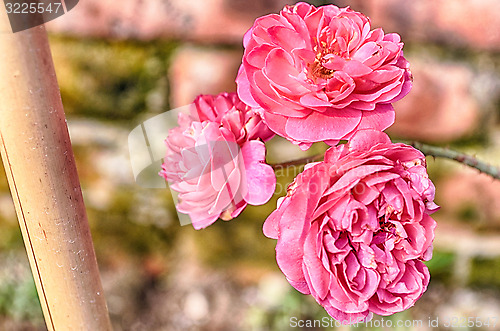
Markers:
point(466, 159)
point(428, 150)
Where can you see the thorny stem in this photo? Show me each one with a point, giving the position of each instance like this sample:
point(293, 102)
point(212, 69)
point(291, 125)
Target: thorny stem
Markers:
point(428, 150)
point(468, 160)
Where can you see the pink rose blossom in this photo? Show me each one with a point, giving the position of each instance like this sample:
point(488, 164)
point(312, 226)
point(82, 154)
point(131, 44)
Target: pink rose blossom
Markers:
point(216, 160)
point(232, 113)
point(321, 74)
point(354, 229)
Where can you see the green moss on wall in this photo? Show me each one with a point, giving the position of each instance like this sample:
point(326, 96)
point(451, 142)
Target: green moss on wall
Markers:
point(112, 80)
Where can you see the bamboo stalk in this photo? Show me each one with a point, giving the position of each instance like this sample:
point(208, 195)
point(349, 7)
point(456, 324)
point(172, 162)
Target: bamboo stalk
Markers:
point(40, 167)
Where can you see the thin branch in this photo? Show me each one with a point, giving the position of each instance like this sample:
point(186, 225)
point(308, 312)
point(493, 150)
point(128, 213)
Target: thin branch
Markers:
point(428, 150)
point(468, 160)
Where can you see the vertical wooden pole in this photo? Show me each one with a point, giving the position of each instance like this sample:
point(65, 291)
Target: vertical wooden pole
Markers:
point(40, 166)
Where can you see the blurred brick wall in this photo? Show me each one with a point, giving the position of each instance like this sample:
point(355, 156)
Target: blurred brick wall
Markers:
point(468, 23)
point(205, 21)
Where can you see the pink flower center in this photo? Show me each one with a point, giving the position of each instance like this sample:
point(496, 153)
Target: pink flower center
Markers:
point(291, 188)
point(317, 68)
point(387, 226)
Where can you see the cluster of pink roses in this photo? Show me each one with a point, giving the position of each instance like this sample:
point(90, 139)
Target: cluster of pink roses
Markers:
point(353, 229)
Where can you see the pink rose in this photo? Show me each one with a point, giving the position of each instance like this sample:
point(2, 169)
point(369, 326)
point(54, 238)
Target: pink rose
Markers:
point(216, 160)
point(354, 229)
point(321, 74)
point(231, 112)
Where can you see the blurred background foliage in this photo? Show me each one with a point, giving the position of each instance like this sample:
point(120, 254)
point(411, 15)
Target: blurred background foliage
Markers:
point(134, 83)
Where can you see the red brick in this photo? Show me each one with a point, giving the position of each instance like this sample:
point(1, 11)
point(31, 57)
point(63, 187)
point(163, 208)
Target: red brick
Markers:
point(223, 21)
point(440, 107)
point(464, 23)
point(470, 23)
point(470, 196)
